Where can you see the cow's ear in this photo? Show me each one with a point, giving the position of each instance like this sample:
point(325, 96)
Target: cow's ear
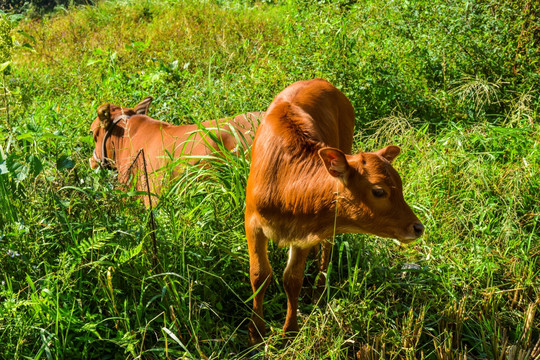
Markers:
point(335, 162)
point(142, 107)
point(104, 115)
point(390, 152)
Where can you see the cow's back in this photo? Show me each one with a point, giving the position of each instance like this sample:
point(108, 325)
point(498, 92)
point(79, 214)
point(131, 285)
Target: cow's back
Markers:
point(163, 142)
point(317, 109)
point(232, 131)
point(305, 117)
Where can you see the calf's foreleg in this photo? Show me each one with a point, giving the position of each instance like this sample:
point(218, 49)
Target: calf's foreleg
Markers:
point(260, 273)
point(293, 277)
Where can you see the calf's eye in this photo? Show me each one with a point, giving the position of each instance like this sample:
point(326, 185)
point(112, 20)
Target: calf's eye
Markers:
point(378, 192)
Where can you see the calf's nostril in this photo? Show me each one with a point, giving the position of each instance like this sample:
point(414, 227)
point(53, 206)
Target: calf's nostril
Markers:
point(418, 229)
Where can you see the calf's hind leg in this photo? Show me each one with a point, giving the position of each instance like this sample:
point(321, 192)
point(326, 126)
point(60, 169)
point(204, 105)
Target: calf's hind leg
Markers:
point(260, 273)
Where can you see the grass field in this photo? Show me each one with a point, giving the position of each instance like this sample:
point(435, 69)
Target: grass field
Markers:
point(456, 85)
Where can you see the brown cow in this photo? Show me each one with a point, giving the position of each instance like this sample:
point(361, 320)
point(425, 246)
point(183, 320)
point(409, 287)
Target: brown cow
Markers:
point(303, 188)
point(119, 133)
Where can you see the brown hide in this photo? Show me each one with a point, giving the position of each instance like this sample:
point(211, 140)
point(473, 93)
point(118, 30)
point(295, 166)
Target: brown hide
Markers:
point(162, 142)
point(303, 187)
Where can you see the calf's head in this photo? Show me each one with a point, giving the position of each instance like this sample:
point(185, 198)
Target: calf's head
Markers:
point(372, 197)
point(105, 121)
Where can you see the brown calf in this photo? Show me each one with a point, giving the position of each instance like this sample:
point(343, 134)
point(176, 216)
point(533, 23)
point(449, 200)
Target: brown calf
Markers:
point(119, 134)
point(303, 188)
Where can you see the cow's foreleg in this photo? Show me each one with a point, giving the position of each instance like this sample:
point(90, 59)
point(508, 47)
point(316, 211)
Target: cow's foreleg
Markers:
point(324, 261)
point(293, 278)
point(260, 273)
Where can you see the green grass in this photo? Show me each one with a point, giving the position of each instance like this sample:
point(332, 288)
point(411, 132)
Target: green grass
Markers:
point(455, 85)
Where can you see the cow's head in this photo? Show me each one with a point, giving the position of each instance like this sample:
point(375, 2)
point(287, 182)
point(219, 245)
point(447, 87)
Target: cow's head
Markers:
point(104, 123)
point(372, 197)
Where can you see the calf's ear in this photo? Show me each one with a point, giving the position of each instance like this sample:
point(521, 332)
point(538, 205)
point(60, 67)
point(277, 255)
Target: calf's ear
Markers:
point(104, 115)
point(335, 162)
point(390, 152)
point(142, 107)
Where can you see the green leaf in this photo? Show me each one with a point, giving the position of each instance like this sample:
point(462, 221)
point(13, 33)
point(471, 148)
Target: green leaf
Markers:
point(29, 47)
point(3, 168)
point(175, 338)
point(3, 66)
point(64, 163)
point(35, 164)
point(16, 169)
point(130, 253)
point(91, 62)
point(25, 136)
point(27, 35)
point(51, 136)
